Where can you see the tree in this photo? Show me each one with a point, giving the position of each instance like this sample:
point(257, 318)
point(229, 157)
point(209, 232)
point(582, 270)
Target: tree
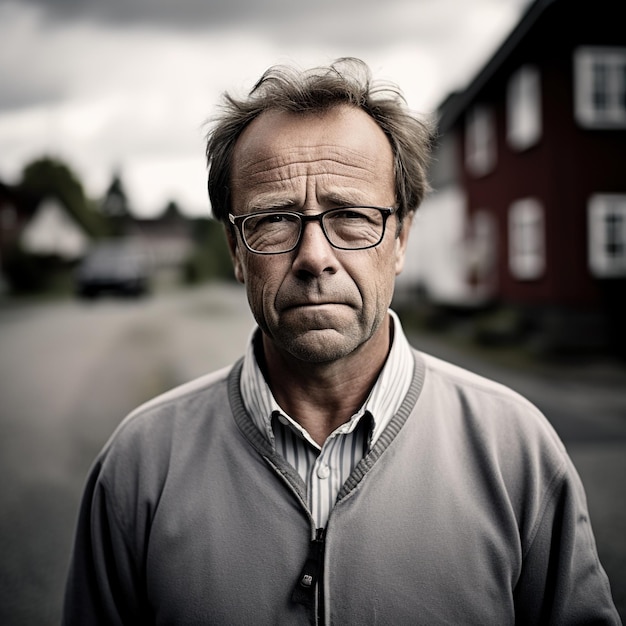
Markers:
point(43, 179)
point(115, 207)
point(210, 258)
point(172, 211)
point(49, 177)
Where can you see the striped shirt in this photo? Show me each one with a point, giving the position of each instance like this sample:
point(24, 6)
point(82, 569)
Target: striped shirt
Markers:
point(324, 469)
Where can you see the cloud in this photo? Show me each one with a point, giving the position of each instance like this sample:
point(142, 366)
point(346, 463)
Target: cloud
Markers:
point(53, 48)
point(192, 14)
point(108, 86)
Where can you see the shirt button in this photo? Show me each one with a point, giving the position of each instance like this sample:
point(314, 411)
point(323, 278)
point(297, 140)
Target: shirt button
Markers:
point(283, 420)
point(323, 471)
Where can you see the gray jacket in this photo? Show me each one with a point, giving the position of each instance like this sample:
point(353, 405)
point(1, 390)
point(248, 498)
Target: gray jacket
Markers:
point(466, 511)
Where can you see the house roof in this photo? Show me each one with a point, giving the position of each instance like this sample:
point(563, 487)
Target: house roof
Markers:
point(53, 230)
point(455, 104)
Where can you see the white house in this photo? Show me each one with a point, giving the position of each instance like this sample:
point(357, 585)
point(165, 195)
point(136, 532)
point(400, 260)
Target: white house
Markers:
point(52, 231)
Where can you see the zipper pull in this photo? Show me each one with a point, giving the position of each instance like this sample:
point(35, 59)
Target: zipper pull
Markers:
point(304, 592)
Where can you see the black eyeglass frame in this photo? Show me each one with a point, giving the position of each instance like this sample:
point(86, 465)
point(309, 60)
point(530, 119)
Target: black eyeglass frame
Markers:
point(238, 221)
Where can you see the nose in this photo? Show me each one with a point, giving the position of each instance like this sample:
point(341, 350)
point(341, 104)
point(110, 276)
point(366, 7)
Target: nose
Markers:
point(314, 254)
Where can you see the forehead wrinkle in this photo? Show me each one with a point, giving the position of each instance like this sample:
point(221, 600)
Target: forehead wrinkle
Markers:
point(289, 177)
point(291, 189)
point(315, 160)
point(269, 174)
point(293, 173)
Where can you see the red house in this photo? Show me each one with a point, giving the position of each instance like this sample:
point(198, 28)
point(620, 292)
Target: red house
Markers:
point(530, 178)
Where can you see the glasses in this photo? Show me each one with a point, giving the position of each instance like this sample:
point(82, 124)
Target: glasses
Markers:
point(345, 228)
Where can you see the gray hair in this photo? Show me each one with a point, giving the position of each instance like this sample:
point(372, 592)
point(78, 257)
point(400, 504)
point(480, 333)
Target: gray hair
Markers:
point(347, 81)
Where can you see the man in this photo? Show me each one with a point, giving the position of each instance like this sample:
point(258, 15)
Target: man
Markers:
point(334, 475)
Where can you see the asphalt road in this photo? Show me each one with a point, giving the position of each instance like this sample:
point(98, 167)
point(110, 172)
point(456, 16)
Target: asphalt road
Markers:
point(69, 371)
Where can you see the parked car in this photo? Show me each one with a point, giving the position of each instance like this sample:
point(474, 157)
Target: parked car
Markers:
point(118, 267)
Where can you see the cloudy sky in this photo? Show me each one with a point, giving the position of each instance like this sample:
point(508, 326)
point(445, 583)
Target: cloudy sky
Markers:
point(128, 85)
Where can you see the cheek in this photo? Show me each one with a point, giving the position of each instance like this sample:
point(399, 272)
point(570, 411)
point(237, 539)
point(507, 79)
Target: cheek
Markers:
point(375, 280)
point(385, 272)
point(389, 261)
point(262, 281)
point(246, 267)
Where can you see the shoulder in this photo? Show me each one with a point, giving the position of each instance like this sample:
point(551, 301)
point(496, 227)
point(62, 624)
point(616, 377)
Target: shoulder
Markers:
point(181, 396)
point(494, 417)
point(475, 391)
point(445, 373)
point(182, 414)
point(167, 436)
point(498, 437)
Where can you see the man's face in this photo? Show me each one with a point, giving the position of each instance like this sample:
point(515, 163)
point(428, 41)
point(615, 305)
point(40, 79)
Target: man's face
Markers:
point(316, 303)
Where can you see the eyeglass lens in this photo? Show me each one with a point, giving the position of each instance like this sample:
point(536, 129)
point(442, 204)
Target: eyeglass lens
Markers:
point(351, 229)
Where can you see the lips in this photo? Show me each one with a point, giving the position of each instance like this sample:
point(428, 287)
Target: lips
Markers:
point(312, 296)
point(310, 303)
point(304, 310)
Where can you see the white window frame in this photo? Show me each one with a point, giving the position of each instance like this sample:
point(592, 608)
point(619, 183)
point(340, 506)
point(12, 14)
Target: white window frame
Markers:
point(480, 140)
point(527, 240)
point(523, 104)
point(607, 235)
point(600, 73)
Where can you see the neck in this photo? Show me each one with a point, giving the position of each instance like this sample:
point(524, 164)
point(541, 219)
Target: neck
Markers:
point(322, 396)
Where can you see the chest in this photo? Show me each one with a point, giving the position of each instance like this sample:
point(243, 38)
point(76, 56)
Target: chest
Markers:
point(228, 547)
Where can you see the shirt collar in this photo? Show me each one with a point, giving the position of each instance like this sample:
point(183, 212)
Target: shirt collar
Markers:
point(382, 403)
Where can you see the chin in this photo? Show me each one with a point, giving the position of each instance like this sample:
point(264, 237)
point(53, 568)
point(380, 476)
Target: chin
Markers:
point(320, 347)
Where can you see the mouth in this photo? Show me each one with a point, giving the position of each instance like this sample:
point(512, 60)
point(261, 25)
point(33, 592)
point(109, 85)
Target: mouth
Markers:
point(315, 299)
point(312, 304)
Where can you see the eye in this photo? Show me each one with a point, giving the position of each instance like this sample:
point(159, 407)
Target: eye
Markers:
point(272, 218)
point(353, 216)
point(349, 214)
point(265, 219)
point(269, 221)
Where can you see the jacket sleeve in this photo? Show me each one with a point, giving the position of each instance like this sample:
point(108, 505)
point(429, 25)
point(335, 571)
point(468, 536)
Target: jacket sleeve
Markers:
point(103, 585)
point(562, 580)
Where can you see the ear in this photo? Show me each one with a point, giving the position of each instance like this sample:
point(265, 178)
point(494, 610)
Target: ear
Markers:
point(402, 241)
point(234, 249)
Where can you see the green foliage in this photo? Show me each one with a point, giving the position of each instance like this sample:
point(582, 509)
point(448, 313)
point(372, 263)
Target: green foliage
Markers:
point(41, 179)
point(48, 177)
point(210, 258)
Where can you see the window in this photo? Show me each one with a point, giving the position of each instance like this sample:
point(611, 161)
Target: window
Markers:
point(526, 239)
point(607, 235)
point(600, 87)
point(480, 141)
point(523, 102)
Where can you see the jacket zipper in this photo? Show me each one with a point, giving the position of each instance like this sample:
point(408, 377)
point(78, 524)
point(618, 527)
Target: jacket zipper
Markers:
point(320, 535)
point(309, 589)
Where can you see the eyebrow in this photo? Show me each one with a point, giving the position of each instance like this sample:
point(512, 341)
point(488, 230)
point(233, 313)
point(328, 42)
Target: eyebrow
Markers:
point(345, 199)
point(268, 202)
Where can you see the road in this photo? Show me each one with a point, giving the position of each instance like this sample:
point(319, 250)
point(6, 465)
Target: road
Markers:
point(69, 371)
